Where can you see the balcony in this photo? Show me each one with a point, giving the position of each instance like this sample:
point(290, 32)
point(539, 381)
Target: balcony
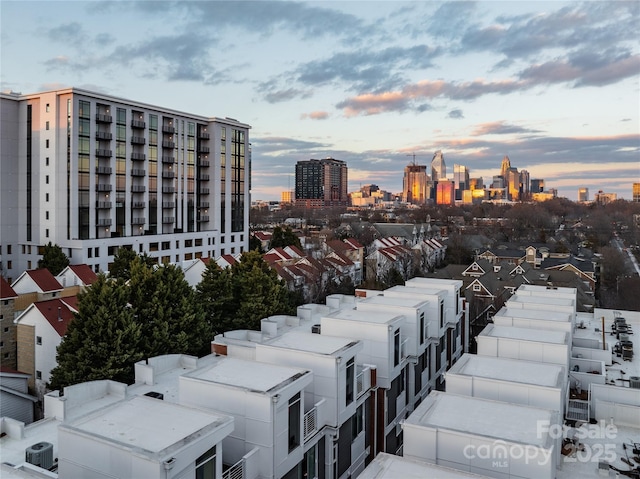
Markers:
point(203, 219)
point(138, 124)
point(204, 177)
point(313, 420)
point(364, 379)
point(168, 129)
point(103, 135)
point(103, 205)
point(168, 159)
point(137, 221)
point(203, 204)
point(138, 205)
point(138, 188)
point(168, 144)
point(138, 140)
point(103, 153)
point(204, 149)
point(104, 222)
point(103, 187)
point(203, 135)
point(168, 204)
point(138, 172)
point(204, 191)
point(138, 156)
point(168, 189)
point(100, 118)
point(168, 174)
point(168, 219)
point(404, 350)
point(204, 163)
point(246, 468)
point(104, 170)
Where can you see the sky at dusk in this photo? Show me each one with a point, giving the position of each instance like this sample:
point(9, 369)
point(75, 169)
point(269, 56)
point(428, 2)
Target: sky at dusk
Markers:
point(553, 85)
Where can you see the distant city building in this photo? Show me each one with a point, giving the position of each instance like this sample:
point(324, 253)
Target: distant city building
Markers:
point(415, 188)
point(445, 193)
point(287, 197)
point(636, 193)
point(603, 198)
point(583, 194)
point(92, 173)
point(537, 185)
point(524, 184)
point(460, 180)
point(498, 182)
point(321, 183)
point(438, 167)
point(505, 167)
point(512, 183)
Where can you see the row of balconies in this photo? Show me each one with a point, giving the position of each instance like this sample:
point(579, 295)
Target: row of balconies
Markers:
point(138, 188)
point(204, 177)
point(203, 204)
point(102, 205)
point(204, 163)
point(142, 189)
point(203, 219)
point(137, 221)
point(168, 204)
point(168, 159)
point(104, 170)
point(138, 140)
point(137, 172)
point(168, 219)
point(168, 189)
point(168, 174)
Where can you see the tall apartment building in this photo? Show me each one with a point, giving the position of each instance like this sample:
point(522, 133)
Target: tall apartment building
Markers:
point(321, 183)
point(537, 185)
point(415, 184)
point(636, 193)
point(583, 194)
point(93, 173)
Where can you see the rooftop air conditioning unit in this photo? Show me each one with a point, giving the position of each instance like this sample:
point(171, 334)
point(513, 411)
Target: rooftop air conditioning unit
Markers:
point(40, 454)
point(634, 382)
point(315, 329)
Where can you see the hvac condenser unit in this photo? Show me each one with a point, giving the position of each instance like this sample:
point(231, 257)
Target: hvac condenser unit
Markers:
point(40, 454)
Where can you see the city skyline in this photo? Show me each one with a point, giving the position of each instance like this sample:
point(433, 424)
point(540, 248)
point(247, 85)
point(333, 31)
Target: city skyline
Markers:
point(554, 86)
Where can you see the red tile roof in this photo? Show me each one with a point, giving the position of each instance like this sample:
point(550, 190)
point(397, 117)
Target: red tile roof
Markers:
point(353, 243)
point(58, 312)
point(263, 235)
point(84, 272)
point(229, 259)
point(6, 291)
point(45, 280)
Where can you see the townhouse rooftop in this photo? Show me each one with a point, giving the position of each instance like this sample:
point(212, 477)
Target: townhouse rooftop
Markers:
point(389, 466)
point(312, 343)
point(524, 334)
point(364, 316)
point(534, 314)
point(512, 370)
point(403, 303)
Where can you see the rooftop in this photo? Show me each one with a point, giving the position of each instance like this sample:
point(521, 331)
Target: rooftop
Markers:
point(513, 370)
point(534, 314)
point(364, 316)
point(394, 301)
point(312, 343)
point(388, 466)
point(524, 334)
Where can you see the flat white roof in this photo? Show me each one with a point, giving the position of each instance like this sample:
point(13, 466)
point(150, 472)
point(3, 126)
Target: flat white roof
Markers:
point(394, 301)
point(525, 298)
point(513, 370)
point(147, 424)
point(483, 417)
point(534, 314)
point(525, 334)
point(312, 343)
point(389, 466)
point(417, 292)
point(252, 375)
point(374, 317)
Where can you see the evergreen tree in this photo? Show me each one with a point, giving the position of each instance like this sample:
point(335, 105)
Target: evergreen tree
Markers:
point(103, 341)
point(53, 259)
point(216, 297)
point(121, 267)
point(281, 238)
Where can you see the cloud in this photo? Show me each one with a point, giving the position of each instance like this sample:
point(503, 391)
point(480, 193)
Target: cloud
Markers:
point(269, 145)
point(315, 115)
point(286, 95)
point(500, 128)
point(456, 114)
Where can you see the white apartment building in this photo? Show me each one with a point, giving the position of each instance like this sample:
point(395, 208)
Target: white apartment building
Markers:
point(93, 173)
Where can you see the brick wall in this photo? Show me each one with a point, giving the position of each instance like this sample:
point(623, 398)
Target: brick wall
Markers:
point(27, 352)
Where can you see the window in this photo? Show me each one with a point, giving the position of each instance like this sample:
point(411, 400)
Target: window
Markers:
point(46, 232)
point(350, 380)
point(39, 340)
point(47, 161)
point(38, 374)
point(46, 214)
point(166, 245)
point(422, 328)
point(46, 143)
point(46, 125)
point(47, 108)
point(441, 314)
point(294, 422)
point(476, 287)
point(46, 179)
point(206, 465)
point(6, 330)
point(97, 252)
point(357, 422)
point(188, 243)
point(396, 347)
point(46, 197)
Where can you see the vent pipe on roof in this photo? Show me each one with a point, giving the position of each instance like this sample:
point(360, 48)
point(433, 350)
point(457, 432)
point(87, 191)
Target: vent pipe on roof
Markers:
point(59, 314)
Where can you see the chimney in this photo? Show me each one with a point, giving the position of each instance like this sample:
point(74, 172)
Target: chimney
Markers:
point(59, 314)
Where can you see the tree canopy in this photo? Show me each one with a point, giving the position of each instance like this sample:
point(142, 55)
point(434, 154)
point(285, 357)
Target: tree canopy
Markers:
point(120, 323)
point(284, 237)
point(53, 259)
point(240, 296)
point(121, 266)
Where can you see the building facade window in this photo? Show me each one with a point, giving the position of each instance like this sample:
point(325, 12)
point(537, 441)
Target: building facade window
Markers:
point(350, 379)
point(206, 465)
point(39, 340)
point(294, 422)
point(396, 347)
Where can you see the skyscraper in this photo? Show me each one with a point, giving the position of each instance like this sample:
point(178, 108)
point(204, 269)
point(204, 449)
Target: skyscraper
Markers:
point(583, 194)
point(636, 193)
point(445, 193)
point(321, 183)
point(93, 173)
point(506, 166)
point(524, 184)
point(438, 167)
point(537, 185)
point(415, 188)
point(460, 180)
